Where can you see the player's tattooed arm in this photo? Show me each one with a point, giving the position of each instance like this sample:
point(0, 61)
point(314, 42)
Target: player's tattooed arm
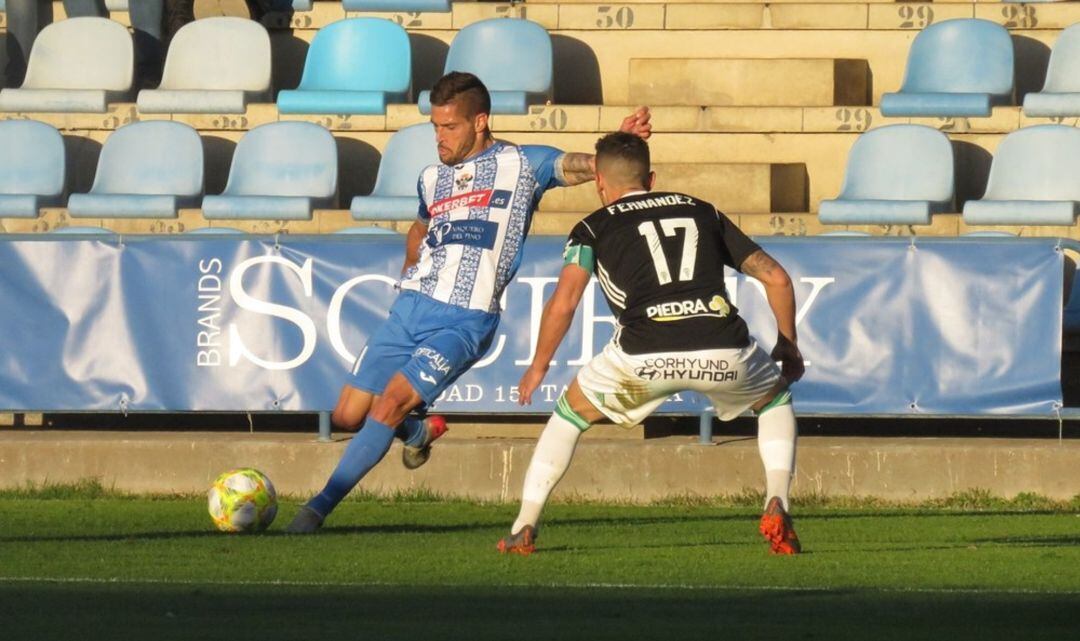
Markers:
point(412, 244)
point(581, 168)
point(781, 295)
point(577, 168)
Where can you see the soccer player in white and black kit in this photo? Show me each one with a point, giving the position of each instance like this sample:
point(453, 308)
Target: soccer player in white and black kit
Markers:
point(659, 258)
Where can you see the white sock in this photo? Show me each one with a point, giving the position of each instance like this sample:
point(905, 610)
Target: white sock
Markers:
point(776, 444)
point(549, 462)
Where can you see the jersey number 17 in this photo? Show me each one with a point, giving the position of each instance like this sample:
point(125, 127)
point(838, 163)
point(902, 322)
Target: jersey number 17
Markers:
point(689, 248)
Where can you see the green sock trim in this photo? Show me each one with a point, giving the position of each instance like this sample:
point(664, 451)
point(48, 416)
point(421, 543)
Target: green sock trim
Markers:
point(563, 409)
point(783, 398)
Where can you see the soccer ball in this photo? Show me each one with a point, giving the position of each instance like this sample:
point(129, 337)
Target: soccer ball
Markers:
point(242, 500)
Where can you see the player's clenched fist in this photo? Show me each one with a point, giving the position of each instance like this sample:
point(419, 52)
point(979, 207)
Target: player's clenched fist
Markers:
point(638, 123)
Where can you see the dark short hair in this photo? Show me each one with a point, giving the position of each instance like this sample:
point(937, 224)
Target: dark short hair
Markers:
point(631, 151)
point(464, 88)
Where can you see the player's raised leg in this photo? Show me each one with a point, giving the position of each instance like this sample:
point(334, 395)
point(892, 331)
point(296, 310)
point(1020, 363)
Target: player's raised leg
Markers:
point(777, 433)
point(364, 451)
point(551, 458)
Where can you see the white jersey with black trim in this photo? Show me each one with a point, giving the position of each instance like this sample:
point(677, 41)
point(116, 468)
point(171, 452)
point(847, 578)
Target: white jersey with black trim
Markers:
point(478, 214)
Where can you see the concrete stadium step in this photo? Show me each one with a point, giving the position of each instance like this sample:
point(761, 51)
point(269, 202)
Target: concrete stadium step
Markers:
point(588, 15)
point(901, 469)
point(327, 221)
point(743, 187)
point(560, 119)
point(777, 82)
point(583, 15)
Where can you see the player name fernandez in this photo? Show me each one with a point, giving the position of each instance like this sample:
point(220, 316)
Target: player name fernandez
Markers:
point(649, 203)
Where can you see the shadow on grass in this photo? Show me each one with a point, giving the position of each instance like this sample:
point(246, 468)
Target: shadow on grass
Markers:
point(1035, 541)
point(44, 611)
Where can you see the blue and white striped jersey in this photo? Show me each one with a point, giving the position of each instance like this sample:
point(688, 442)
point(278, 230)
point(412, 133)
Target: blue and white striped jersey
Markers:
point(478, 214)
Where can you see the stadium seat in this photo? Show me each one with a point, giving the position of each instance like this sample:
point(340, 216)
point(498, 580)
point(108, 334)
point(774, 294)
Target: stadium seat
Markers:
point(1061, 92)
point(433, 6)
point(519, 76)
point(846, 232)
point(354, 66)
point(898, 174)
point(32, 168)
point(955, 68)
point(1032, 179)
point(214, 65)
point(146, 170)
point(394, 197)
point(280, 171)
point(76, 65)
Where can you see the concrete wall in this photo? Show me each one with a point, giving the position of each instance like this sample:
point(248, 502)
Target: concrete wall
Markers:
point(610, 469)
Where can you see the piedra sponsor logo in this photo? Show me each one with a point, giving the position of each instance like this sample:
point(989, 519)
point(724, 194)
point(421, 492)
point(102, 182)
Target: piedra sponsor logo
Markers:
point(717, 307)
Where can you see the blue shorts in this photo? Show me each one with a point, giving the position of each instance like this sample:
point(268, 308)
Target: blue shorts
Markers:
point(430, 342)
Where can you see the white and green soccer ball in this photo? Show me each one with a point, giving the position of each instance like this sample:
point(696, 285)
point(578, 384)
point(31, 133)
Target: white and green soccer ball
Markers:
point(242, 500)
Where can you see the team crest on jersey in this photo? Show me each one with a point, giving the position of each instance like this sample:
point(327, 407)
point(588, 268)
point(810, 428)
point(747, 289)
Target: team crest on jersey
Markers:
point(693, 308)
point(463, 180)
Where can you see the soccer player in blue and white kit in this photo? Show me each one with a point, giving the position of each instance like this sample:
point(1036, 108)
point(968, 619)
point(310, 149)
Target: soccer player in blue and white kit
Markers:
point(462, 251)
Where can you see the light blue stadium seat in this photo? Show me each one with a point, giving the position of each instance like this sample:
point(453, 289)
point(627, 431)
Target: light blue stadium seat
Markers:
point(394, 197)
point(425, 6)
point(847, 233)
point(214, 65)
point(955, 68)
point(32, 167)
point(898, 174)
point(1061, 92)
point(146, 170)
point(280, 171)
point(354, 66)
point(519, 76)
point(76, 65)
point(1033, 179)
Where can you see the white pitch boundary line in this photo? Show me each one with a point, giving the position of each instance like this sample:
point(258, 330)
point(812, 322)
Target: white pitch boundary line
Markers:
point(583, 586)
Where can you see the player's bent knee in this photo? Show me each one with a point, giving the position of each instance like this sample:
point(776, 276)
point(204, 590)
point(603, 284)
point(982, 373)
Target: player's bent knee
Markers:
point(397, 400)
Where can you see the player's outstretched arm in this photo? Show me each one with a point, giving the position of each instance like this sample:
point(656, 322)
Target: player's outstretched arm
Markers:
point(581, 168)
point(554, 323)
point(412, 244)
point(781, 296)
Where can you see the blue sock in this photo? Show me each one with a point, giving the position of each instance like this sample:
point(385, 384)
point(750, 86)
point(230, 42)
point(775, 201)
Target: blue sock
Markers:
point(412, 431)
point(366, 449)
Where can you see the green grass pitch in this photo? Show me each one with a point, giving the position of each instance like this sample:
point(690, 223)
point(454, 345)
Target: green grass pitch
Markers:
point(86, 566)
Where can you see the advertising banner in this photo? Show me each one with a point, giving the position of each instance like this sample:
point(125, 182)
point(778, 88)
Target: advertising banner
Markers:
point(895, 326)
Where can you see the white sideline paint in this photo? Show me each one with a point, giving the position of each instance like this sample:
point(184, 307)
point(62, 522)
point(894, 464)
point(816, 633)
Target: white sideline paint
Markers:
point(608, 586)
